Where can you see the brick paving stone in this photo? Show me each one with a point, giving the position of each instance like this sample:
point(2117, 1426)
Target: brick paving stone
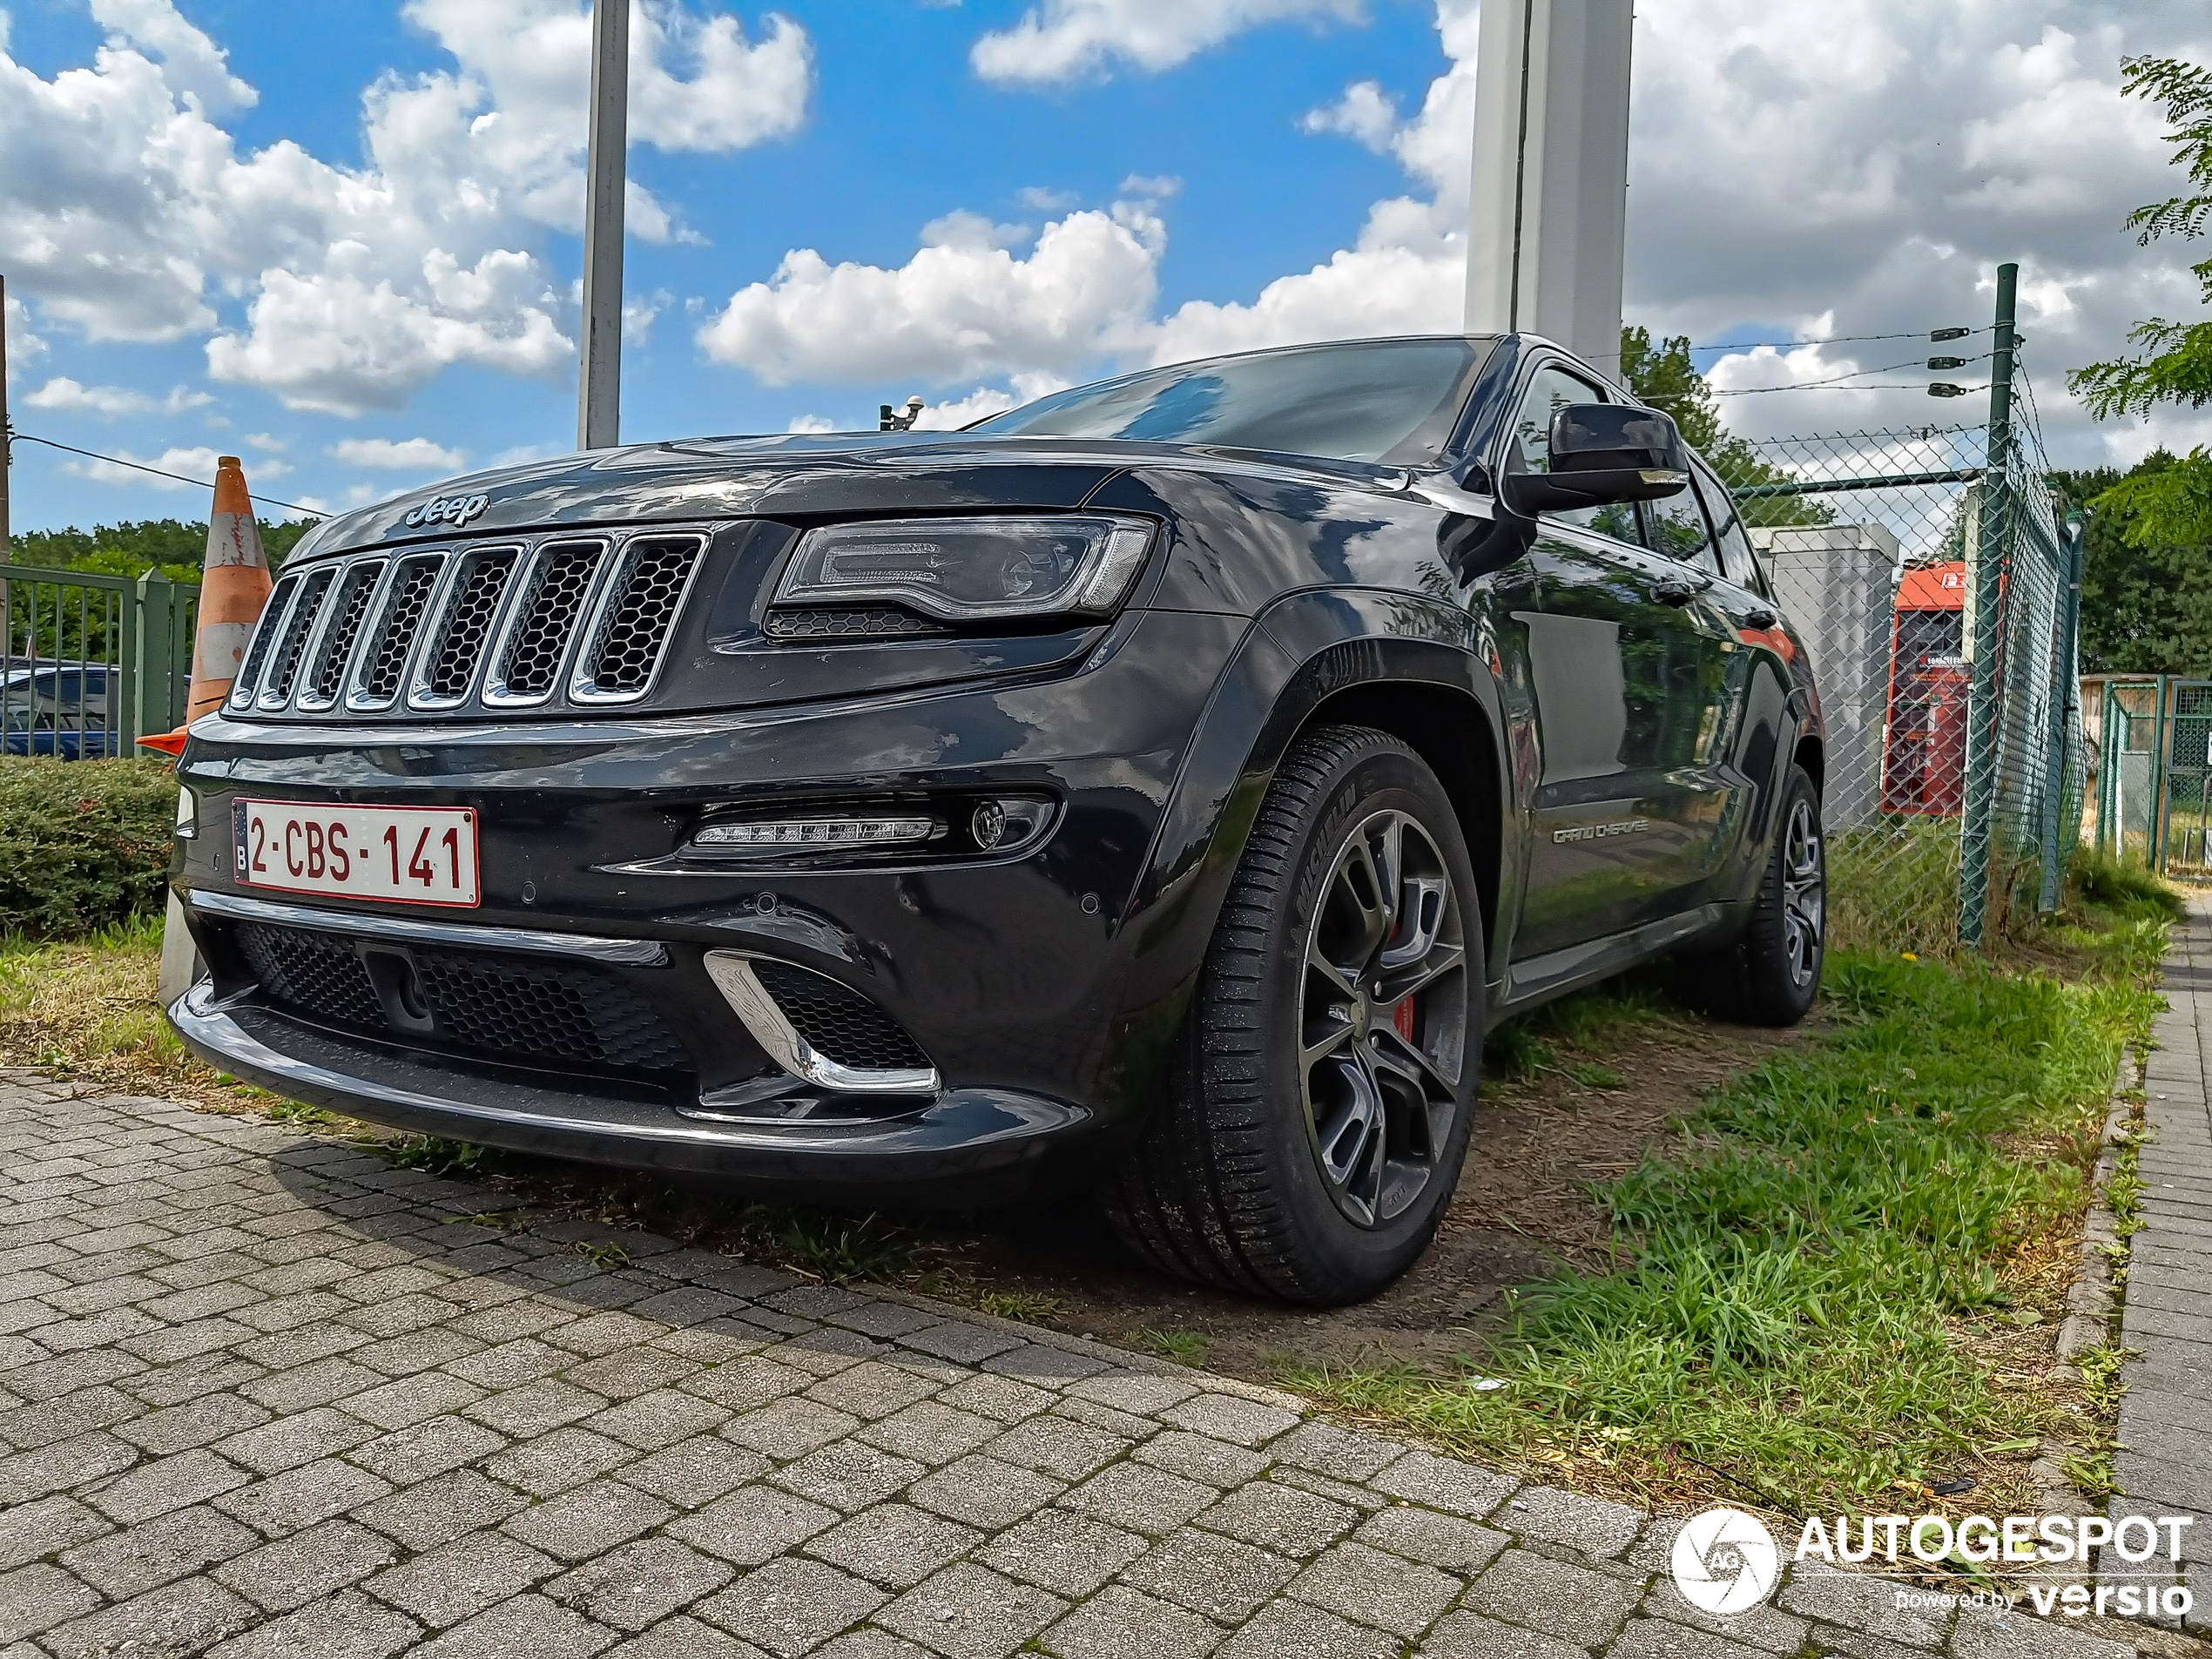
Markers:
point(535, 1407)
point(1553, 1596)
point(177, 1618)
point(167, 1483)
point(303, 1387)
point(1215, 1463)
point(628, 1373)
point(789, 1428)
point(656, 1419)
point(956, 1340)
point(1058, 1446)
point(1764, 1627)
point(1985, 1635)
point(1422, 1477)
point(410, 1401)
point(1280, 1518)
point(1656, 1638)
point(969, 1612)
point(1289, 1629)
point(931, 1432)
point(1005, 1397)
point(301, 1497)
point(983, 1492)
point(1133, 1391)
point(298, 1568)
point(65, 1463)
point(746, 1383)
point(791, 1604)
point(753, 1525)
point(871, 1390)
point(526, 1624)
point(1227, 1417)
point(1470, 1636)
point(1859, 1602)
point(40, 1596)
point(685, 1637)
point(475, 1571)
point(567, 1457)
point(1060, 1551)
point(1371, 1587)
point(695, 1471)
point(1119, 1622)
point(121, 1564)
point(300, 1437)
point(588, 1520)
point(1218, 1576)
point(44, 1526)
point(440, 1509)
point(640, 1584)
point(345, 1626)
point(1441, 1541)
point(1586, 1524)
point(894, 1544)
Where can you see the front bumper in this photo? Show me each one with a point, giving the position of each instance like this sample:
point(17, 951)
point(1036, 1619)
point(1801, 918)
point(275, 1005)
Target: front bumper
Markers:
point(962, 1145)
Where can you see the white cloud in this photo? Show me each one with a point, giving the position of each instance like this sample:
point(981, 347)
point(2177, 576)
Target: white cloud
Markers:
point(1157, 187)
point(66, 397)
point(1040, 200)
point(403, 454)
point(195, 467)
point(986, 401)
point(21, 344)
point(963, 307)
point(1366, 113)
point(1062, 40)
point(129, 207)
point(811, 423)
point(268, 441)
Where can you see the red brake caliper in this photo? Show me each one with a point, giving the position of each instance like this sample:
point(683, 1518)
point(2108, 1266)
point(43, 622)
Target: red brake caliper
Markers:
point(1402, 1018)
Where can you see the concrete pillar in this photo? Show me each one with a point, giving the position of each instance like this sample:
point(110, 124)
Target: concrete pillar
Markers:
point(1549, 203)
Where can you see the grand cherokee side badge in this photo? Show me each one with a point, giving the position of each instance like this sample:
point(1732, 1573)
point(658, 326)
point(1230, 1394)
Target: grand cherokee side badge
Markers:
point(456, 510)
point(1600, 832)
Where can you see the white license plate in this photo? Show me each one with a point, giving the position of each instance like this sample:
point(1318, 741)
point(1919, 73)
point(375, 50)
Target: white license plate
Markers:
point(398, 854)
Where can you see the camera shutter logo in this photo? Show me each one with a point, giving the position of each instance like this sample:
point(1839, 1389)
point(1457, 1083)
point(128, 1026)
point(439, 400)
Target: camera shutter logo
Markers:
point(1725, 1560)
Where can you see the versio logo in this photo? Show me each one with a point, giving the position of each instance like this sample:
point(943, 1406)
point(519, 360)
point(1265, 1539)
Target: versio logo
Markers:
point(1725, 1560)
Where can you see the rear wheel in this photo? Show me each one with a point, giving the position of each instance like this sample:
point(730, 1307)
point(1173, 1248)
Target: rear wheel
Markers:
point(1330, 1056)
point(1771, 973)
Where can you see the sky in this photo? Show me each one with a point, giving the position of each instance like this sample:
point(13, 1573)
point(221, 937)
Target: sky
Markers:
point(343, 239)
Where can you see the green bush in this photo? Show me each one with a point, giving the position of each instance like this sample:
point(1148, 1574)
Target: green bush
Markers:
point(84, 844)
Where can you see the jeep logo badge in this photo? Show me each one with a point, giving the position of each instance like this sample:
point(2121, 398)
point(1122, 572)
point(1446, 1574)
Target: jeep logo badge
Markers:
point(456, 510)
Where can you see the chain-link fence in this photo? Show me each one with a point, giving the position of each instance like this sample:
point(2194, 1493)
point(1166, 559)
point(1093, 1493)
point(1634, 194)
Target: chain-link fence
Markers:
point(1936, 597)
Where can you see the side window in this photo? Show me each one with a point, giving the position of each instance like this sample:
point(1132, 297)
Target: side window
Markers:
point(1736, 547)
point(1678, 531)
point(1552, 390)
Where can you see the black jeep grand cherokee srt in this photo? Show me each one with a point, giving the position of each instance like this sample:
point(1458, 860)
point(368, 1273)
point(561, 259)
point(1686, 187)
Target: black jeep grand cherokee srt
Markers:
point(1155, 789)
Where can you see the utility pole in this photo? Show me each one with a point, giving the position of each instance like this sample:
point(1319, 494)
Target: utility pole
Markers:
point(7, 432)
point(1547, 214)
point(1993, 557)
point(598, 411)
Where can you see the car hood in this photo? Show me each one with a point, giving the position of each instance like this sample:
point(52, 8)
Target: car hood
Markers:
point(796, 475)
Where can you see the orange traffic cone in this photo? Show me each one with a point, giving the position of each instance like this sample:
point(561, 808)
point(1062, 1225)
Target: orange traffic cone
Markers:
point(233, 587)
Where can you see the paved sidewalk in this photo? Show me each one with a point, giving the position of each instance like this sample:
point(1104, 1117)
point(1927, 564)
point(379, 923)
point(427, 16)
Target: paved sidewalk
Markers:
point(2165, 1463)
point(262, 1394)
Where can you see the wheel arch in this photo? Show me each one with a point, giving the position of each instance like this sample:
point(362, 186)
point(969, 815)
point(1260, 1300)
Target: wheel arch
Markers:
point(1809, 755)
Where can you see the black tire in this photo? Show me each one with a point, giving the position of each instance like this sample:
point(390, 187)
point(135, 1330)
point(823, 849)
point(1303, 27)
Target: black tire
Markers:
point(1230, 1184)
point(1771, 973)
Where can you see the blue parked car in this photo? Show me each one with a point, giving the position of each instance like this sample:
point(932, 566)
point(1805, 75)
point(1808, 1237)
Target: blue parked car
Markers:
point(57, 708)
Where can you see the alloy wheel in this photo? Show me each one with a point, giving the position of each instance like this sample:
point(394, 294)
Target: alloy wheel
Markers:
point(1383, 1018)
point(1805, 894)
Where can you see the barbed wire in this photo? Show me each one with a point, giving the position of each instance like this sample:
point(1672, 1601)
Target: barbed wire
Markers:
point(1829, 340)
point(20, 436)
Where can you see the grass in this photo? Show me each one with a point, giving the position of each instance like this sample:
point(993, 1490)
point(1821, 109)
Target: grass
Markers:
point(1515, 1050)
point(1029, 1307)
point(87, 1008)
point(1818, 1256)
point(1185, 1347)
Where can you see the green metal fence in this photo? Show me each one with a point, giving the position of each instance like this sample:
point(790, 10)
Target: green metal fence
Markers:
point(91, 663)
point(1939, 596)
point(2153, 800)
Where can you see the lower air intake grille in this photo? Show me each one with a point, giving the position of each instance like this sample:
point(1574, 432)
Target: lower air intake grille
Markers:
point(838, 1022)
point(873, 622)
point(316, 974)
point(487, 1005)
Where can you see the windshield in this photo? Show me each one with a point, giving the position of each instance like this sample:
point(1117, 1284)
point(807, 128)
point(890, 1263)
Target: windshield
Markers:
point(1385, 400)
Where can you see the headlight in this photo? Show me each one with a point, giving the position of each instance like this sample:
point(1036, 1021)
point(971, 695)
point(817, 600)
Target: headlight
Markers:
point(968, 570)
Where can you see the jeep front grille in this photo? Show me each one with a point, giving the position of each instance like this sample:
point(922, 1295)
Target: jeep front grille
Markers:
point(583, 621)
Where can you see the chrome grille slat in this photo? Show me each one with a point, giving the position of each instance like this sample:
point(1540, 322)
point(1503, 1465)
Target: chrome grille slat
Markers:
point(384, 658)
point(299, 628)
point(636, 617)
point(346, 609)
point(274, 616)
point(526, 665)
point(468, 608)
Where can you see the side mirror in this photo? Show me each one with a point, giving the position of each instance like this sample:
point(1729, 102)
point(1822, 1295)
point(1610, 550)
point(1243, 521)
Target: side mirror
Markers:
point(1600, 454)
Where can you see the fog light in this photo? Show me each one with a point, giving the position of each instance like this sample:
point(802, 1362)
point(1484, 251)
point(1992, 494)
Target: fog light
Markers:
point(797, 835)
point(1000, 826)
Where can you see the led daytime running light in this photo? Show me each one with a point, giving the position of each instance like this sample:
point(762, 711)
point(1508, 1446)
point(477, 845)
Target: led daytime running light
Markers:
point(818, 832)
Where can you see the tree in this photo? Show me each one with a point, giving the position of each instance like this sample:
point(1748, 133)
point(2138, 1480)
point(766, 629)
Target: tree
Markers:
point(2168, 505)
point(1663, 376)
point(175, 547)
point(2145, 603)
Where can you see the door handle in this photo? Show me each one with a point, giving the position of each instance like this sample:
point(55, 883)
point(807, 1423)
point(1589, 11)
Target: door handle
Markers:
point(1674, 591)
point(1760, 618)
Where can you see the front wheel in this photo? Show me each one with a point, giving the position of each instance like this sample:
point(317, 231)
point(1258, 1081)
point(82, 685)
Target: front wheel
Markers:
point(1332, 1050)
point(1771, 973)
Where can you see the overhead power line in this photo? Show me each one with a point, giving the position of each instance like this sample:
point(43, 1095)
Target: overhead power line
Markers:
point(140, 466)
